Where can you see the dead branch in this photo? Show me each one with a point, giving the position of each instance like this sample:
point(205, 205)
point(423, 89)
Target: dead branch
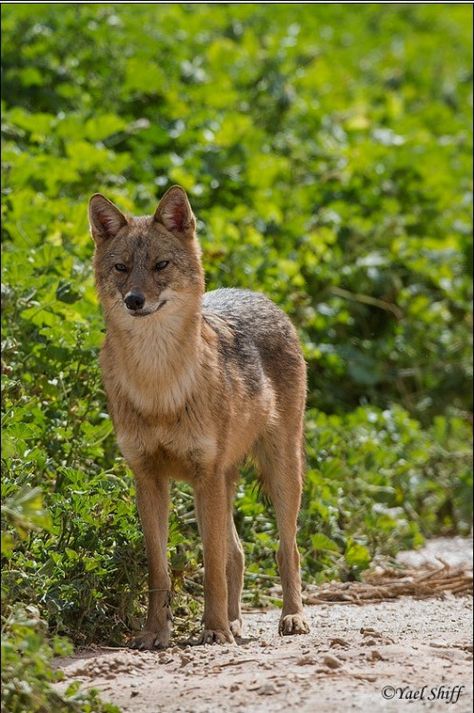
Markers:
point(428, 581)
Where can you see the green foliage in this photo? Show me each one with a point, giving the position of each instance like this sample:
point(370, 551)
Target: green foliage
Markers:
point(376, 482)
point(27, 674)
point(327, 154)
point(306, 136)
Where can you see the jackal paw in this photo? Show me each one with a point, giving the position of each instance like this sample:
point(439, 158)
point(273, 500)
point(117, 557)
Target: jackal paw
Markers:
point(216, 636)
point(151, 640)
point(292, 624)
point(236, 627)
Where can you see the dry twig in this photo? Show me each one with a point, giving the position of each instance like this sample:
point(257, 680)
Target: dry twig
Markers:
point(421, 583)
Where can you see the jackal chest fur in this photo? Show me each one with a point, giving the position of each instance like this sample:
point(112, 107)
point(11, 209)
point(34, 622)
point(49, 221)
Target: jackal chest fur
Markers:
point(153, 418)
point(177, 439)
point(189, 421)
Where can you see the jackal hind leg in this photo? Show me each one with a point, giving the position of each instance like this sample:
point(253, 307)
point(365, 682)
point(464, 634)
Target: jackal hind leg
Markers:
point(235, 560)
point(280, 462)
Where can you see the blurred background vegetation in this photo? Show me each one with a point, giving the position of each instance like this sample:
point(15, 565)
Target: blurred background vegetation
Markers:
point(327, 154)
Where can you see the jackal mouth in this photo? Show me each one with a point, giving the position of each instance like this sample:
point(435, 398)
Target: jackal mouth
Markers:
point(144, 312)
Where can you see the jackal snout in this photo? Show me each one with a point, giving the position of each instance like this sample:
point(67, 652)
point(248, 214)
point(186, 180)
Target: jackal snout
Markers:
point(139, 306)
point(134, 300)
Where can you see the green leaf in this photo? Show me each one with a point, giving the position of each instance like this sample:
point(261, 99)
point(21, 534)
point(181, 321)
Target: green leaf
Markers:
point(322, 542)
point(357, 556)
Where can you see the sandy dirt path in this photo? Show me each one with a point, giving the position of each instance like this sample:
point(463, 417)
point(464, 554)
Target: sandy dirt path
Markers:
point(374, 657)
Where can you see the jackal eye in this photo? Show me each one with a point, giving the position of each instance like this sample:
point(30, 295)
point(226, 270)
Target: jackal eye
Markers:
point(161, 265)
point(120, 267)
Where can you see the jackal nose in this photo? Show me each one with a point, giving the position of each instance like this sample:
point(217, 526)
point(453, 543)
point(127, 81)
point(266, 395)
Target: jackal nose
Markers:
point(134, 300)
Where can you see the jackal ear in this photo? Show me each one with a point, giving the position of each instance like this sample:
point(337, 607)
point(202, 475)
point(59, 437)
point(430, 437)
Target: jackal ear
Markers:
point(175, 213)
point(105, 219)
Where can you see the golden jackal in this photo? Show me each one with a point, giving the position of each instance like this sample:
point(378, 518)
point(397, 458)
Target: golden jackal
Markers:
point(195, 383)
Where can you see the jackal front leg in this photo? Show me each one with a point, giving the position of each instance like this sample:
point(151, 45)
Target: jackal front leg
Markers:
point(152, 501)
point(212, 515)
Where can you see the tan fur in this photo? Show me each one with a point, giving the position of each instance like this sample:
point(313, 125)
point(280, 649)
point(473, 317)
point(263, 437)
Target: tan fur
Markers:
point(179, 414)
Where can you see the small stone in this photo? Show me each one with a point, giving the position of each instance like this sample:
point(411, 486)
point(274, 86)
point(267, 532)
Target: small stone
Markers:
point(305, 661)
point(331, 661)
point(339, 642)
point(267, 690)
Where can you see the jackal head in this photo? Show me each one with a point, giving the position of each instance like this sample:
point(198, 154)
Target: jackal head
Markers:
point(146, 265)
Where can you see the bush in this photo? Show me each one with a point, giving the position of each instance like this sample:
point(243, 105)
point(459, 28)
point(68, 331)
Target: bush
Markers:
point(27, 651)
